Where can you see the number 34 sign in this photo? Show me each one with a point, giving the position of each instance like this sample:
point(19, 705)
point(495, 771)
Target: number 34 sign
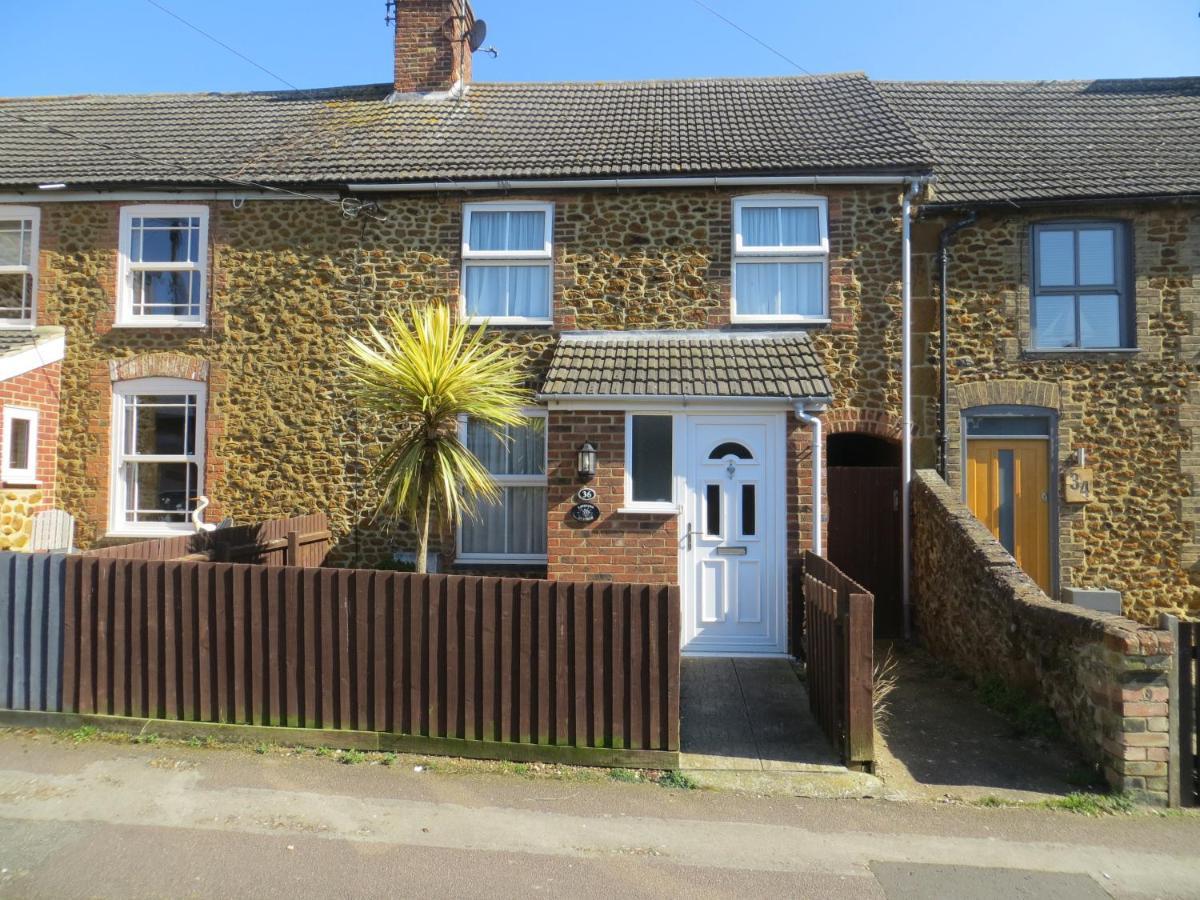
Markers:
point(1077, 484)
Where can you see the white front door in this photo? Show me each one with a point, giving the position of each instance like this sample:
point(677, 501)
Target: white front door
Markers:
point(734, 535)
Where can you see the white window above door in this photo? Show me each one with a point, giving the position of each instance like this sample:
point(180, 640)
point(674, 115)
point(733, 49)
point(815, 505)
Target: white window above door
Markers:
point(780, 259)
point(507, 250)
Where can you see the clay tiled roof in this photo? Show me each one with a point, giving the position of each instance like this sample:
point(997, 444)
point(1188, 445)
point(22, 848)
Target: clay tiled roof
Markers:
point(800, 125)
point(700, 364)
point(1046, 140)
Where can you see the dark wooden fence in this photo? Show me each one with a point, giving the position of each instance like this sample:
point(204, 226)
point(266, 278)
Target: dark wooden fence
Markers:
point(840, 659)
point(479, 659)
point(31, 594)
point(296, 541)
point(1185, 789)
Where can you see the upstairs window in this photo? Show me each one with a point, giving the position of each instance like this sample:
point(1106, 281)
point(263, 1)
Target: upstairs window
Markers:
point(18, 265)
point(1081, 299)
point(507, 252)
point(158, 454)
point(20, 445)
point(514, 529)
point(163, 262)
point(780, 259)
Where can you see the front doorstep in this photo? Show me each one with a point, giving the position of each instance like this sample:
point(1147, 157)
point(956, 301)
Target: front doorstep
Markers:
point(347, 740)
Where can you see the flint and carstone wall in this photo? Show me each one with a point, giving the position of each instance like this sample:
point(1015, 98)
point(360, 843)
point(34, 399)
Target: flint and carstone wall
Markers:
point(1104, 676)
point(1136, 413)
point(290, 280)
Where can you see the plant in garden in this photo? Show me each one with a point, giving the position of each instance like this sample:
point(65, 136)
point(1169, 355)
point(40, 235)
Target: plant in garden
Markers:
point(420, 376)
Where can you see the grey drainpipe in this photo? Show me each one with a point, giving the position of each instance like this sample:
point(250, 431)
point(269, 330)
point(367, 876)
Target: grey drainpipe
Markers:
point(944, 240)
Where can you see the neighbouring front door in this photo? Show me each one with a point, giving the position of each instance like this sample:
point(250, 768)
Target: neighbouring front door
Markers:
point(734, 536)
point(1008, 489)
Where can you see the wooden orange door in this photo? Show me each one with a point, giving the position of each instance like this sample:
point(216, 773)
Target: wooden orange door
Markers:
point(1008, 489)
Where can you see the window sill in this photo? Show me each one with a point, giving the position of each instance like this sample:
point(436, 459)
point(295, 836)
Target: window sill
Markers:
point(21, 483)
point(18, 326)
point(655, 509)
point(509, 321)
point(163, 323)
point(735, 319)
point(1082, 351)
point(156, 532)
point(500, 560)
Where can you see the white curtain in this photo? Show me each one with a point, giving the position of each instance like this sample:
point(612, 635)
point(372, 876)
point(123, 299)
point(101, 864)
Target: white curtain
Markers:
point(488, 230)
point(526, 230)
point(760, 226)
point(800, 289)
point(757, 288)
point(526, 519)
point(799, 226)
point(485, 533)
point(487, 290)
point(489, 449)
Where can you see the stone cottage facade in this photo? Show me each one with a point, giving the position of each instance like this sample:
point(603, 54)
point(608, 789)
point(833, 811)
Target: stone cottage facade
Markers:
point(746, 283)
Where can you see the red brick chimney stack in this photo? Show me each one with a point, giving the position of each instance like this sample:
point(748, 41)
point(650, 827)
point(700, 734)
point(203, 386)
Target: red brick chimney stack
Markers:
point(431, 50)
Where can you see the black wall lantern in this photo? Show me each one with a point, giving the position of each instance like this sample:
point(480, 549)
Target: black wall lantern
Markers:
point(587, 461)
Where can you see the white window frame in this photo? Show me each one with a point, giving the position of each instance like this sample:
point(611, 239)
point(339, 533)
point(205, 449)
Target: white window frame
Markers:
point(118, 524)
point(126, 267)
point(542, 481)
point(27, 475)
point(543, 257)
point(658, 506)
point(818, 252)
point(34, 216)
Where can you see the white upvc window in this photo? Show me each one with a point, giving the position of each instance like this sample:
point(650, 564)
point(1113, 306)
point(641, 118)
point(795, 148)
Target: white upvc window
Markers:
point(507, 251)
point(19, 227)
point(514, 529)
point(161, 278)
point(20, 445)
point(780, 259)
point(650, 443)
point(158, 455)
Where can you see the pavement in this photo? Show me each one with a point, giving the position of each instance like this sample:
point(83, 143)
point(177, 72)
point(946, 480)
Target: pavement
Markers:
point(106, 818)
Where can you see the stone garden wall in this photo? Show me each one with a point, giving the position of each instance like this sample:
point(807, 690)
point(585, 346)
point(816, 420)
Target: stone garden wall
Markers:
point(1104, 676)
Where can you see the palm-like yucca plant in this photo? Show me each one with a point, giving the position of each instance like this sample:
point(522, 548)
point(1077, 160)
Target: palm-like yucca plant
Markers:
point(420, 377)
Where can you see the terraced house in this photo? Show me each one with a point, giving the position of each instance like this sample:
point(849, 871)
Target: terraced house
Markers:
point(727, 292)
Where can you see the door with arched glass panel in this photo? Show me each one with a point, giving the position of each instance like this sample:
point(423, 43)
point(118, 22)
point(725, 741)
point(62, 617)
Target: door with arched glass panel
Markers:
point(732, 539)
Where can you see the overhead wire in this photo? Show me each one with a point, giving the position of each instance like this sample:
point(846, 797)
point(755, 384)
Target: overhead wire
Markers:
point(753, 37)
point(221, 43)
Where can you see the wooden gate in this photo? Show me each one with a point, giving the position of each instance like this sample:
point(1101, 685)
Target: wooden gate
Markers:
point(864, 536)
point(840, 665)
point(1186, 687)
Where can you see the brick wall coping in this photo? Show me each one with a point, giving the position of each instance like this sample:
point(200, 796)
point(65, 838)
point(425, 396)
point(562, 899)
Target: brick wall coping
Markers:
point(1029, 601)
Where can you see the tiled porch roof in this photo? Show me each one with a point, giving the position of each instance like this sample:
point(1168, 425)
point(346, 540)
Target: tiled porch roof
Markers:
point(698, 364)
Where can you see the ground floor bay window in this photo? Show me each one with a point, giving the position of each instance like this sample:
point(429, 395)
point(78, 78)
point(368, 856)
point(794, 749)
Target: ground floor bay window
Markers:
point(514, 529)
point(158, 455)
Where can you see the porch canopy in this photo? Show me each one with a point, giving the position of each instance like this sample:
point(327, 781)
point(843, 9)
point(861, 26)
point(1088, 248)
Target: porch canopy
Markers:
point(713, 365)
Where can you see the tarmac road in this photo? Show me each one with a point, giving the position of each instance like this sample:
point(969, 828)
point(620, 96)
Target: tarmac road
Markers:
point(106, 819)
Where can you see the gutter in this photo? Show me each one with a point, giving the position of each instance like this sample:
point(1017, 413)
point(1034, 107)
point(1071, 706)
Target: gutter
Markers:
point(906, 399)
point(809, 414)
point(636, 182)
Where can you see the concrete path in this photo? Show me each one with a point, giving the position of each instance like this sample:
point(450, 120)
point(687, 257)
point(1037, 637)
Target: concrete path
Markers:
point(115, 820)
point(745, 725)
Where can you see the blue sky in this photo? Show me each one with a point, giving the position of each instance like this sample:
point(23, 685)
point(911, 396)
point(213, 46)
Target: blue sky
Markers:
point(76, 46)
